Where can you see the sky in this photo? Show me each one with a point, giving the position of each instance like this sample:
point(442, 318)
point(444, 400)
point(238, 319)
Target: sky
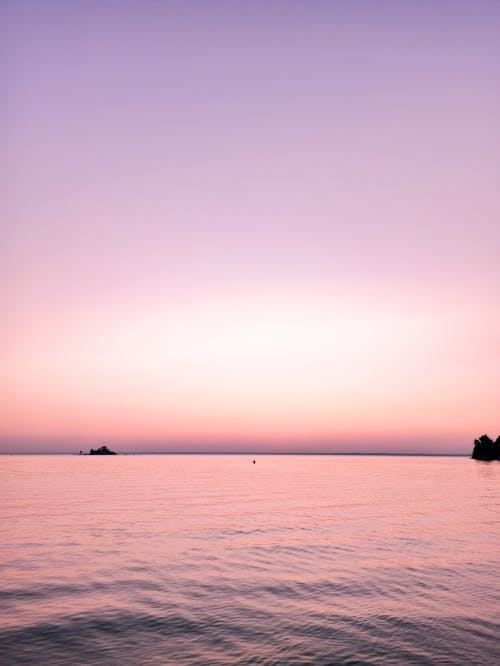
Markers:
point(265, 226)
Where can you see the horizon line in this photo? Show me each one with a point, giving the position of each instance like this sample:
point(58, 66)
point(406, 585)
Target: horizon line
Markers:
point(245, 453)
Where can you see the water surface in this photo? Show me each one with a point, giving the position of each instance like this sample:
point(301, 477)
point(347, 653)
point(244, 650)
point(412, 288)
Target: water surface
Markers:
point(186, 559)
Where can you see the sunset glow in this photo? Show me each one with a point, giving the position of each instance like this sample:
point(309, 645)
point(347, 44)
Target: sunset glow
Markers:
point(262, 227)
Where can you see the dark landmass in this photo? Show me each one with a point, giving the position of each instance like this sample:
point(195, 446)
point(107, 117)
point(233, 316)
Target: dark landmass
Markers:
point(103, 451)
point(486, 449)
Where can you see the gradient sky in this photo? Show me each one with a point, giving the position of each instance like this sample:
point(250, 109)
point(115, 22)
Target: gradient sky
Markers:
point(249, 225)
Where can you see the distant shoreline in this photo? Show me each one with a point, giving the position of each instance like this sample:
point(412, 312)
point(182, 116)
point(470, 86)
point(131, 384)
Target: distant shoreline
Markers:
point(244, 453)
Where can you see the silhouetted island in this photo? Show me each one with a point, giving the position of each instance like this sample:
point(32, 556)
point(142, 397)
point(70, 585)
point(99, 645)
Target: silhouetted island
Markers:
point(103, 451)
point(486, 449)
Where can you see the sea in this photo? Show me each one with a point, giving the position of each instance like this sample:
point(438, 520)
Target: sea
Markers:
point(213, 559)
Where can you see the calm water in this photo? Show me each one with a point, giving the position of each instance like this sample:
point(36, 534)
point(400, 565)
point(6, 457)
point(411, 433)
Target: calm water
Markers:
point(213, 560)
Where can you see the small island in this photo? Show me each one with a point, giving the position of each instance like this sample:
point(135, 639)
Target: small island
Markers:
point(486, 449)
point(102, 451)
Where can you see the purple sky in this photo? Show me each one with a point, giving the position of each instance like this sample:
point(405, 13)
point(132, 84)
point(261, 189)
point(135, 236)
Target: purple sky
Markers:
point(265, 224)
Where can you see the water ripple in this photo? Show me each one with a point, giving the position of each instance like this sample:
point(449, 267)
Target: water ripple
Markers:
point(317, 561)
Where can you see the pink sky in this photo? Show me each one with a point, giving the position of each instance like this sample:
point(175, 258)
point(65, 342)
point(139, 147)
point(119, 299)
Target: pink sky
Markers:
point(234, 226)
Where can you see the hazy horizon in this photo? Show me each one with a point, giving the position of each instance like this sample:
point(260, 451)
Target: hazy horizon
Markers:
point(244, 448)
point(142, 450)
point(273, 223)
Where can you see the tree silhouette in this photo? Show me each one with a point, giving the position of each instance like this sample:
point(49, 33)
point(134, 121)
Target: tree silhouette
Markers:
point(102, 451)
point(486, 449)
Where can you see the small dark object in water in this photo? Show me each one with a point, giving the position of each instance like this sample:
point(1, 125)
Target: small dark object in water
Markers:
point(486, 449)
point(254, 462)
point(103, 451)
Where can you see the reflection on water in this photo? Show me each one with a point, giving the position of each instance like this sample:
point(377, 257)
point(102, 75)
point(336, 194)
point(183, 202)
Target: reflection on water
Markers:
point(215, 560)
